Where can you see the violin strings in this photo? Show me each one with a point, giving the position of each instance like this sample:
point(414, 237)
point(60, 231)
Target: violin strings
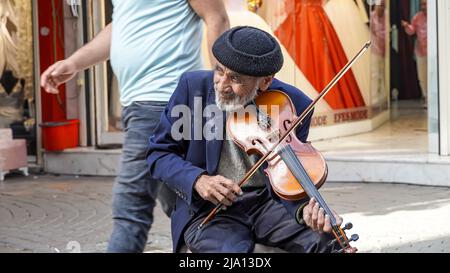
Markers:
point(313, 191)
point(309, 187)
point(296, 164)
point(293, 160)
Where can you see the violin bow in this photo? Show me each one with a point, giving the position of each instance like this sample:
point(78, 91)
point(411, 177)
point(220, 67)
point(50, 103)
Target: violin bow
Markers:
point(296, 123)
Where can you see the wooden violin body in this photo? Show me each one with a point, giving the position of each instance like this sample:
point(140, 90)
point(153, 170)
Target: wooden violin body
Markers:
point(253, 135)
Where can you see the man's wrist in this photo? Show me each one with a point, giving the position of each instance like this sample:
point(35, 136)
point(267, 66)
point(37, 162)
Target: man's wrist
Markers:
point(72, 63)
point(195, 194)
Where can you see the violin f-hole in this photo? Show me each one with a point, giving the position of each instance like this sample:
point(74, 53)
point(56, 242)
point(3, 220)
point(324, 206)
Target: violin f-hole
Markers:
point(256, 142)
point(287, 125)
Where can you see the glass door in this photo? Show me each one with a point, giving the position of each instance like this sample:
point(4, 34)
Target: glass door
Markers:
point(107, 99)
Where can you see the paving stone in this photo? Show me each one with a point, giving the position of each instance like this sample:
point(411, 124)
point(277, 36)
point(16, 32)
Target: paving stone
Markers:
point(45, 214)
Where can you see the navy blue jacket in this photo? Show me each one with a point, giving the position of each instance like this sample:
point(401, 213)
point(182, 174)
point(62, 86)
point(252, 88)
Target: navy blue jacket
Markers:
point(180, 163)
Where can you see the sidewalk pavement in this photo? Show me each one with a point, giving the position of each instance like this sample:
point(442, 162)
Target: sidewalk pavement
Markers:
point(44, 213)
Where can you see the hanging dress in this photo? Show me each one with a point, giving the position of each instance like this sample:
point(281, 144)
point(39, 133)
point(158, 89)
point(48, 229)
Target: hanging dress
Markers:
point(310, 38)
point(239, 15)
point(353, 33)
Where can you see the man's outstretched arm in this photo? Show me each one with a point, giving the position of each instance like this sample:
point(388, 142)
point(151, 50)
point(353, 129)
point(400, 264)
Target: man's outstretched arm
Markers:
point(96, 51)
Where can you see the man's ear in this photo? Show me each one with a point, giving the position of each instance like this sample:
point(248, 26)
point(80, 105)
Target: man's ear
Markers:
point(266, 82)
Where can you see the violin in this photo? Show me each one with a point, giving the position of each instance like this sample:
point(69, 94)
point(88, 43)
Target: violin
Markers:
point(257, 131)
point(295, 169)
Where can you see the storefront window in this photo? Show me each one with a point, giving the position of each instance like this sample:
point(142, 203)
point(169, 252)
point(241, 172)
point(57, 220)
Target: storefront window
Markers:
point(319, 38)
point(17, 104)
point(107, 94)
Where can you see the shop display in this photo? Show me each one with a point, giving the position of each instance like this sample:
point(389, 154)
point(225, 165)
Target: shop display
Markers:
point(350, 24)
point(309, 36)
point(11, 88)
point(17, 110)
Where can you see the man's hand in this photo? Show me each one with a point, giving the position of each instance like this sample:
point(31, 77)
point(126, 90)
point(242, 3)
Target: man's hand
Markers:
point(57, 74)
point(96, 51)
point(217, 189)
point(315, 217)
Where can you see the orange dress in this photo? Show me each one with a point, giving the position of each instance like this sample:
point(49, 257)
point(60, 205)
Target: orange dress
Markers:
point(311, 40)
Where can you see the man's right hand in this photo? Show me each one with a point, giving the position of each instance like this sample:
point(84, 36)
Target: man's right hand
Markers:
point(217, 189)
point(96, 51)
point(57, 74)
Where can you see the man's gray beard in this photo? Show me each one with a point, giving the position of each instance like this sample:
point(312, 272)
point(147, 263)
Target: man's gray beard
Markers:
point(237, 103)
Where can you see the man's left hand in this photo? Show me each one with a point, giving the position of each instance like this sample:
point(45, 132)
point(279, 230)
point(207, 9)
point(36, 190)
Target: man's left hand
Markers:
point(315, 217)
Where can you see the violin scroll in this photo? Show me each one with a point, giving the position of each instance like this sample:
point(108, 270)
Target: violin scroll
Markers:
point(344, 241)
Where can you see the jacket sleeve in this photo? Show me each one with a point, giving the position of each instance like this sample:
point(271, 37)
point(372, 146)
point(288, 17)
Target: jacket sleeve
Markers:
point(166, 155)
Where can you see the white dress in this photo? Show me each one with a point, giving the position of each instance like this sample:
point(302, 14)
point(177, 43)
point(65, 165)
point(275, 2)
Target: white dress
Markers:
point(353, 34)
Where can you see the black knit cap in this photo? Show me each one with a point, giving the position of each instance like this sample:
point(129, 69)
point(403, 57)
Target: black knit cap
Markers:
point(249, 51)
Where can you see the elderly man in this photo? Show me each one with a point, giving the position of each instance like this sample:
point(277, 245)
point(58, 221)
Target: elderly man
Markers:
point(204, 172)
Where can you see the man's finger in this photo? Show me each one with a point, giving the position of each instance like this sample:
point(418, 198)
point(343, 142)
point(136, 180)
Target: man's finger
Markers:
point(339, 219)
point(307, 219)
point(327, 226)
point(45, 76)
point(48, 82)
point(321, 219)
point(315, 215)
point(212, 199)
point(227, 193)
point(231, 185)
point(236, 189)
point(221, 198)
point(307, 214)
point(51, 88)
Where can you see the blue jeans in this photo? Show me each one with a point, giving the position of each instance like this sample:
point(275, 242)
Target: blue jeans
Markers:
point(135, 192)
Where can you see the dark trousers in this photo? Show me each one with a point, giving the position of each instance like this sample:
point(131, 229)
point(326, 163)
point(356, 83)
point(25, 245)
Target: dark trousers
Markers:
point(254, 218)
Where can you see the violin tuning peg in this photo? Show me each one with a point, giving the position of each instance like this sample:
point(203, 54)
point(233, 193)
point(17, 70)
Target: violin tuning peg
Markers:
point(354, 238)
point(348, 226)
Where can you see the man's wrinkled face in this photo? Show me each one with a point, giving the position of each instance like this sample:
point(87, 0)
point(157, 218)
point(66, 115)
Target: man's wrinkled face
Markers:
point(234, 90)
